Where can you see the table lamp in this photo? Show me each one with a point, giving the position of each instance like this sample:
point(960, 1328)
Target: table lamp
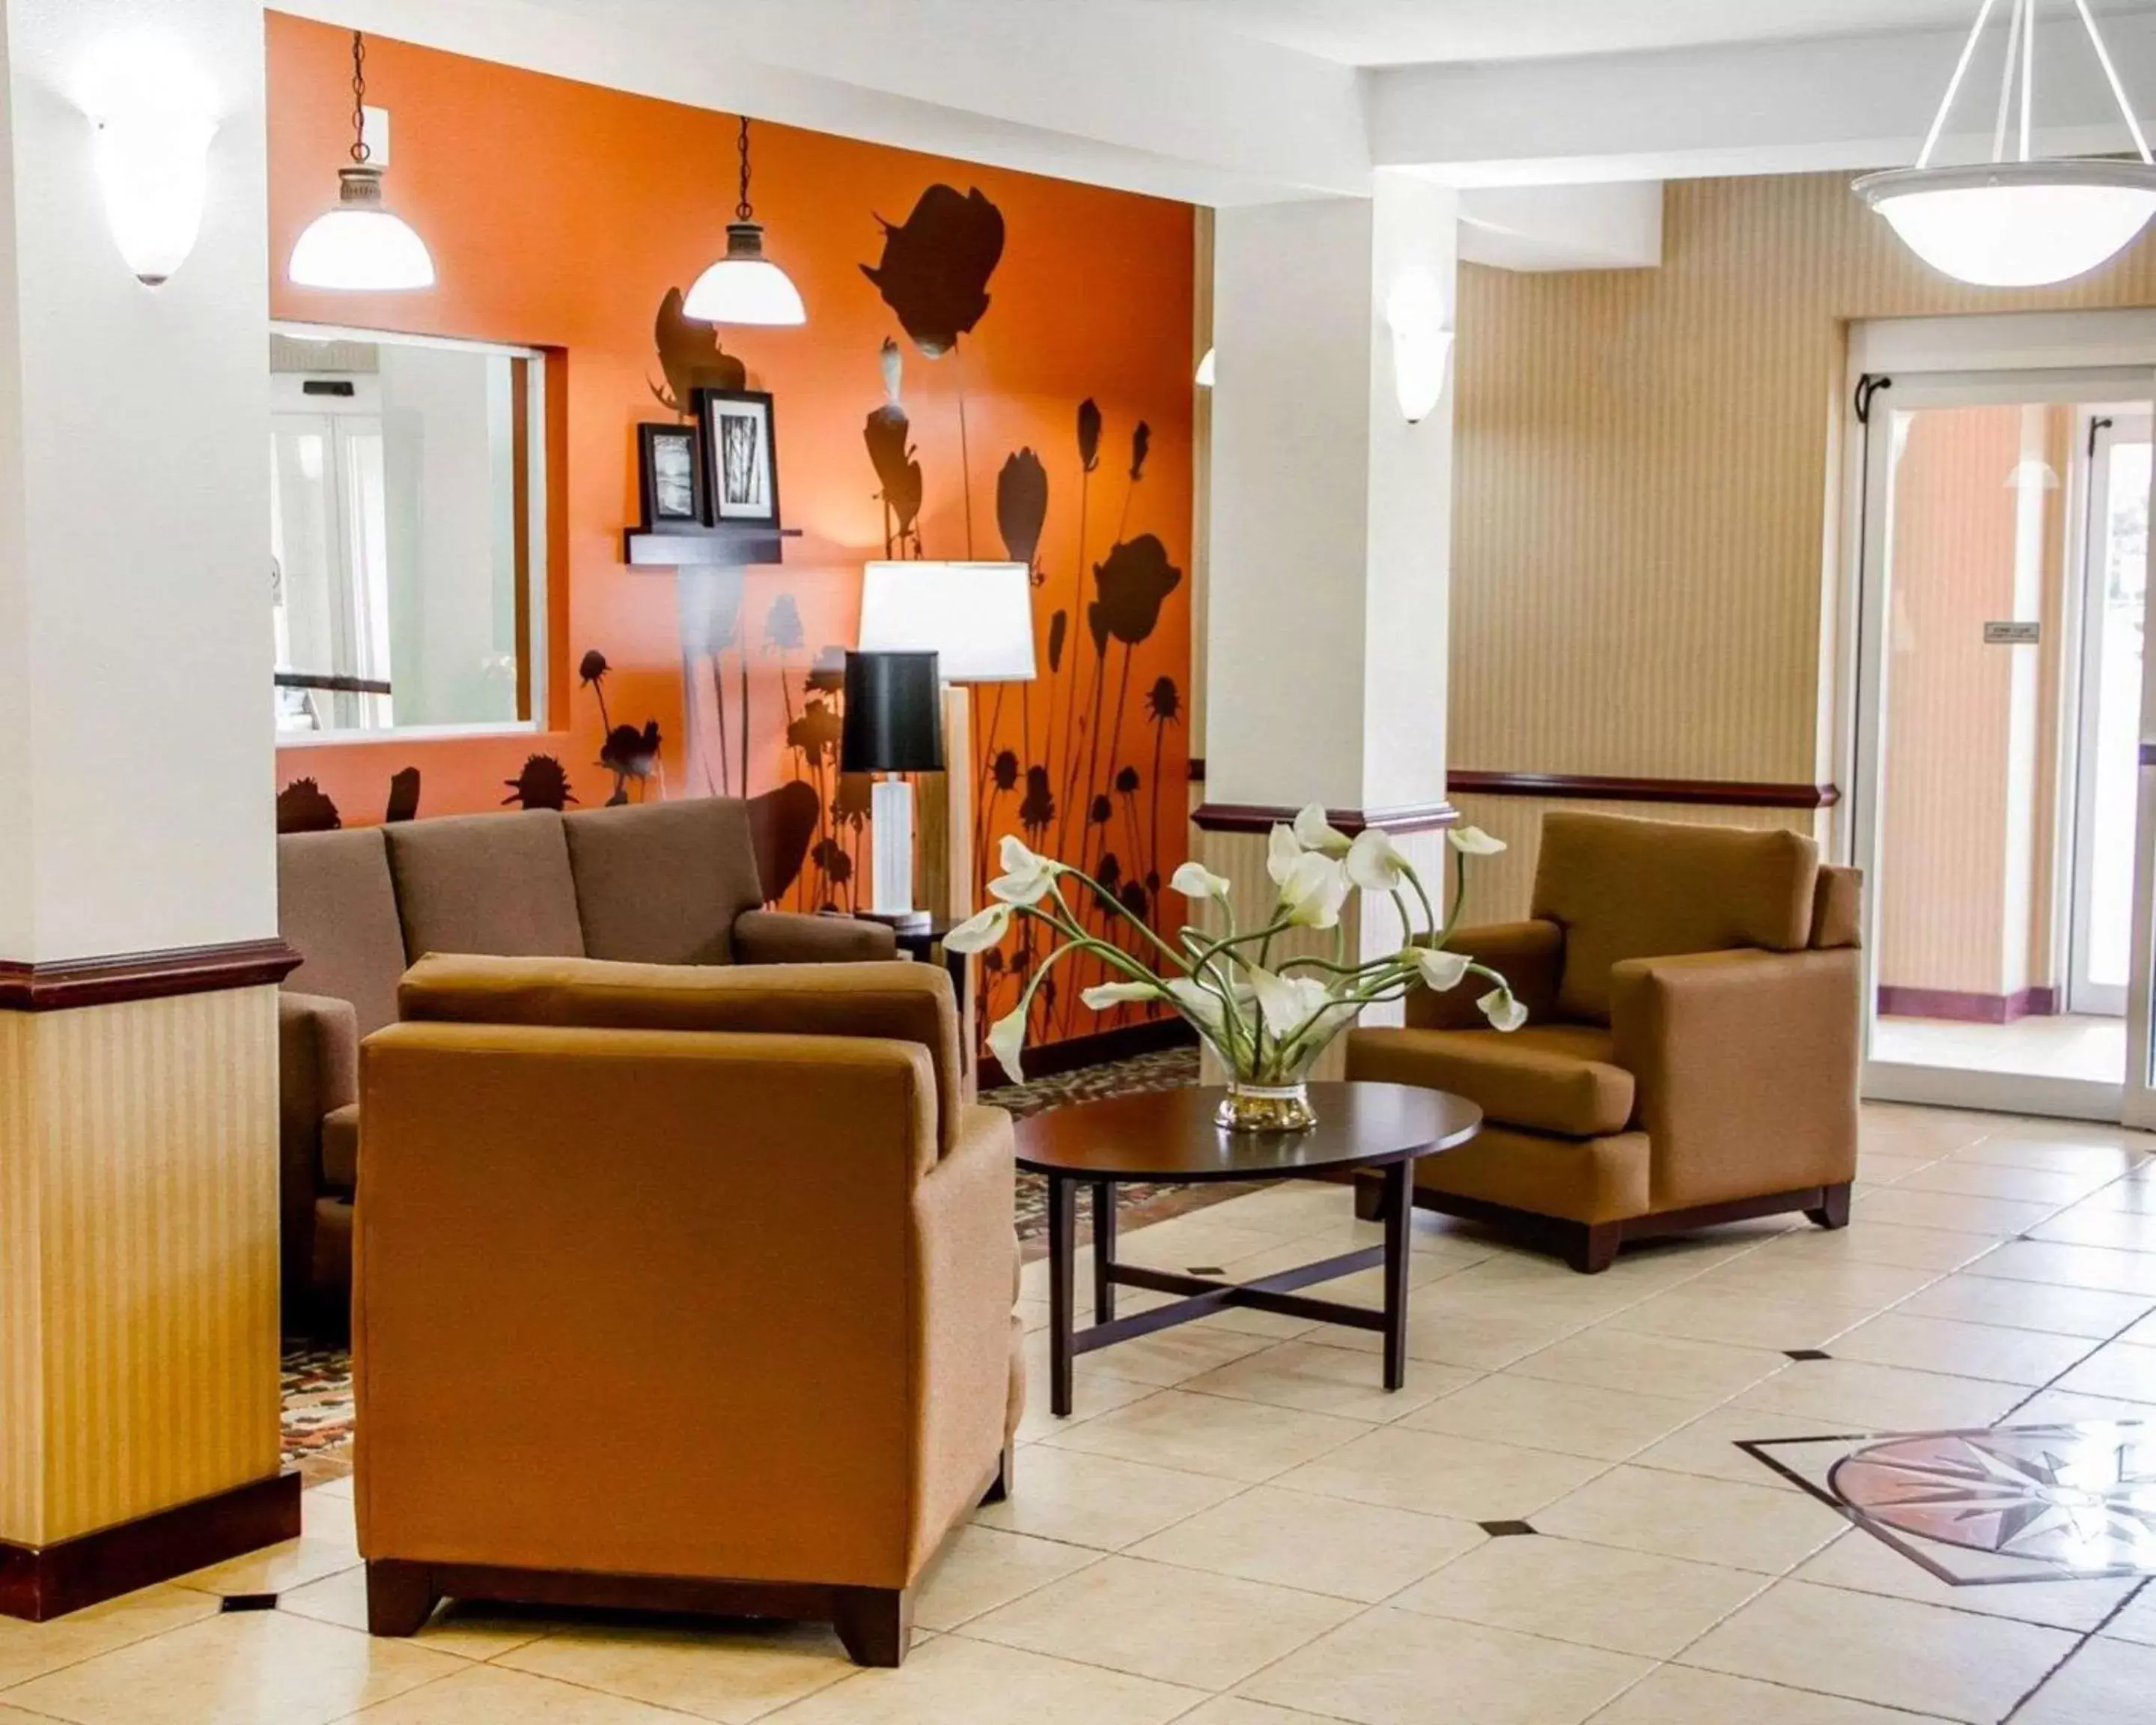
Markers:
point(978, 617)
point(893, 724)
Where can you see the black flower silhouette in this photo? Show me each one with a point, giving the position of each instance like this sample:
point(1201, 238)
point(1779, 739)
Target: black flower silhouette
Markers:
point(1088, 434)
point(690, 356)
point(1140, 443)
point(1126, 781)
point(1102, 811)
point(629, 753)
point(302, 807)
point(782, 625)
point(1022, 506)
point(543, 783)
point(888, 433)
point(1136, 578)
point(1059, 629)
point(593, 668)
point(1038, 807)
point(1003, 771)
point(935, 269)
point(828, 675)
point(816, 733)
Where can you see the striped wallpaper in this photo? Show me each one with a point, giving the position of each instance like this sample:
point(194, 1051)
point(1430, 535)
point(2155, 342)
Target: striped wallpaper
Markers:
point(1642, 545)
point(138, 1258)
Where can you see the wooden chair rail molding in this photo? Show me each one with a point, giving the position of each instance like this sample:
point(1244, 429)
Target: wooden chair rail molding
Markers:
point(1728, 793)
point(1261, 817)
point(68, 983)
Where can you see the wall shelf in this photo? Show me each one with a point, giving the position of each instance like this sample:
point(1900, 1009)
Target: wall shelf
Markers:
point(729, 543)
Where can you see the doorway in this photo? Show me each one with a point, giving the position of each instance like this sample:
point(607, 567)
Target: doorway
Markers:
point(1995, 775)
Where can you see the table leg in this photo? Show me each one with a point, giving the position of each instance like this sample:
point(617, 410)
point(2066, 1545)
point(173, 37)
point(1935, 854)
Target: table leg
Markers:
point(1104, 1250)
point(1062, 1243)
point(1399, 1209)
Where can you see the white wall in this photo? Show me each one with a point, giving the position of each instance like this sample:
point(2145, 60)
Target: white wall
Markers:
point(135, 742)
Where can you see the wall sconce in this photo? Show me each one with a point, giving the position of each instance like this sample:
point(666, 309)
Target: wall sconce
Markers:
point(1422, 347)
point(152, 152)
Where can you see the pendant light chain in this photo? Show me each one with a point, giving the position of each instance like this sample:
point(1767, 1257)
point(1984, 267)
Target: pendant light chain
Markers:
point(743, 212)
point(360, 148)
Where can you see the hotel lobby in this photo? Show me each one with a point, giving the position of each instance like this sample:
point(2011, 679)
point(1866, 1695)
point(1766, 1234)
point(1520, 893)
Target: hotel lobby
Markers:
point(1231, 861)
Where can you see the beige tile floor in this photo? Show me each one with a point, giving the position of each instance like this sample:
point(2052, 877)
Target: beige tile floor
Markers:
point(1238, 1527)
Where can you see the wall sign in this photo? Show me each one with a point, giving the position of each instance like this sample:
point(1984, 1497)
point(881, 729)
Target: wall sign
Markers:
point(2013, 635)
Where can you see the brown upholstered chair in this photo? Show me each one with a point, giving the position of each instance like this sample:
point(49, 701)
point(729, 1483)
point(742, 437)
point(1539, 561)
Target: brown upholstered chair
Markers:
point(1691, 1049)
point(690, 1288)
point(667, 883)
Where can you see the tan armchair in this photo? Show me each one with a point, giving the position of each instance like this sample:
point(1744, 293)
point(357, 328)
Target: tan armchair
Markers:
point(688, 1289)
point(1691, 1050)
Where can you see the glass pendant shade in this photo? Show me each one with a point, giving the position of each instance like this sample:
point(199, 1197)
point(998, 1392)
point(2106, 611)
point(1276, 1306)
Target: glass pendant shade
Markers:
point(744, 286)
point(2016, 223)
point(359, 245)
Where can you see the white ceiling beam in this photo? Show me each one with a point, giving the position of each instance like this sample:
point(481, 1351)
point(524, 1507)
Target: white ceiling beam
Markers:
point(1133, 97)
point(1783, 107)
point(1604, 226)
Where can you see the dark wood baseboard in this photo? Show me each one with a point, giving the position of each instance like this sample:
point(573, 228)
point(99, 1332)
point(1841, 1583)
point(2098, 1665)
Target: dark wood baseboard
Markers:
point(1154, 1036)
point(69, 982)
point(1591, 1247)
point(1263, 817)
point(43, 1582)
point(1600, 787)
point(1957, 1007)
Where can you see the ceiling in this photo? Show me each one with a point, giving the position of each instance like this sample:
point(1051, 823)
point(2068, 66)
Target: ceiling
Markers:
point(1389, 33)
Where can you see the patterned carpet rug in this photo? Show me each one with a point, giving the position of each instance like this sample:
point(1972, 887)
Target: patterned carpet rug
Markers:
point(318, 1375)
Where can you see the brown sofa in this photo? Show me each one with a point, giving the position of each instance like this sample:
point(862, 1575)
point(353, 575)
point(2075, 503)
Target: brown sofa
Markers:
point(667, 883)
point(1691, 1050)
point(745, 1343)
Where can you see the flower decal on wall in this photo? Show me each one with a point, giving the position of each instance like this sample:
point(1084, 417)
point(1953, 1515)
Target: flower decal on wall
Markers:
point(691, 357)
point(1022, 506)
point(543, 783)
point(935, 265)
point(303, 807)
point(1133, 582)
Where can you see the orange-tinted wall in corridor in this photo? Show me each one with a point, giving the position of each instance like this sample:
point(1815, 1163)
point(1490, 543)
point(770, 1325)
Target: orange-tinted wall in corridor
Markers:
point(561, 214)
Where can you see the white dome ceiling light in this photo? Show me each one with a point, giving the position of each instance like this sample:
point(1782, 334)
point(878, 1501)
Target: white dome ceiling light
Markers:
point(744, 286)
point(2024, 222)
point(359, 245)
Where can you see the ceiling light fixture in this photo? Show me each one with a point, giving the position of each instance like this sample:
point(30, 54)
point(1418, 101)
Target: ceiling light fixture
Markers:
point(359, 245)
point(1205, 371)
point(2028, 222)
point(744, 286)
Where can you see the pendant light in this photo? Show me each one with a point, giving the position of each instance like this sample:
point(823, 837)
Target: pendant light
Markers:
point(744, 286)
point(359, 245)
point(2030, 221)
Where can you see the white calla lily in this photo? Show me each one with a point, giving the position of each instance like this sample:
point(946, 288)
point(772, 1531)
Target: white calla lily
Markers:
point(1198, 1003)
point(1006, 1039)
point(1027, 877)
point(1376, 865)
point(1283, 851)
point(1103, 995)
point(980, 931)
point(1314, 832)
point(1194, 880)
point(1474, 841)
point(1504, 1012)
point(1288, 1001)
point(1439, 970)
point(1313, 892)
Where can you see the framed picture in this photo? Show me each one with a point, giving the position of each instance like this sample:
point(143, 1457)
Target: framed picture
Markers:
point(670, 472)
point(741, 460)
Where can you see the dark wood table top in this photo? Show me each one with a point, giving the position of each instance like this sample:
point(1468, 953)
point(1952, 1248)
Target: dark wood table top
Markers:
point(1169, 1135)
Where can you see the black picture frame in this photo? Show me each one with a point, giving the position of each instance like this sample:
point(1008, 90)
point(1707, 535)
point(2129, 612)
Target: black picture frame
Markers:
point(740, 425)
point(658, 477)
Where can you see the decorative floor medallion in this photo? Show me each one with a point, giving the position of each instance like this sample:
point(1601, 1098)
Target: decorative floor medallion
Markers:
point(2002, 1504)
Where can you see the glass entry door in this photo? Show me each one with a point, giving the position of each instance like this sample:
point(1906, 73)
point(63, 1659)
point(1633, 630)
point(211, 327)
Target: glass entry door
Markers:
point(1997, 802)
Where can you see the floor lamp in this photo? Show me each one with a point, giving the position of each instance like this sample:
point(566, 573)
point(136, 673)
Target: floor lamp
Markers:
point(978, 620)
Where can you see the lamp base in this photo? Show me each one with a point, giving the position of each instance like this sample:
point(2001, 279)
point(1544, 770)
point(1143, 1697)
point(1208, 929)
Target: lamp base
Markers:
point(890, 818)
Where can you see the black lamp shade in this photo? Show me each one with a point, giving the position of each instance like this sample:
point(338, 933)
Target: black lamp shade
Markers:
point(894, 720)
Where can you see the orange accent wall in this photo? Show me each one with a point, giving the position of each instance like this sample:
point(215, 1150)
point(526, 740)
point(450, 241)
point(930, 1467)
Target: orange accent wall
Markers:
point(559, 214)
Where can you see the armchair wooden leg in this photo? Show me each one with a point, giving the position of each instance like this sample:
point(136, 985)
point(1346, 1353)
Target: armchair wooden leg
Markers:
point(400, 1596)
point(1592, 1246)
point(1000, 1487)
point(1833, 1211)
point(874, 1624)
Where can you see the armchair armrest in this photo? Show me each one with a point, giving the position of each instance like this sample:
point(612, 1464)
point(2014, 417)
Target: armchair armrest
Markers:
point(317, 1072)
point(1530, 955)
point(783, 937)
point(1747, 1067)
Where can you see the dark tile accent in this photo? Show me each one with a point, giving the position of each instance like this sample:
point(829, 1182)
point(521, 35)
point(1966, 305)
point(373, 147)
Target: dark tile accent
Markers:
point(1505, 1530)
point(1802, 1353)
point(249, 1602)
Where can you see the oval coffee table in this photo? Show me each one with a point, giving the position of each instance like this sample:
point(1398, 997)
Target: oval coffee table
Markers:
point(1169, 1136)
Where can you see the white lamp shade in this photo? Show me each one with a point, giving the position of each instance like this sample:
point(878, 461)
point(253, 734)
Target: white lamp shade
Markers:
point(1205, 371)
point(363, 250)
point(2016, 223)
point(154, 175)
point(977, 617)
point(744, 290)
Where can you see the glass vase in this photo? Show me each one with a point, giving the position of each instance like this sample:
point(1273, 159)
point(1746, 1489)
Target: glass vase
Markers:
point(1266, 1107)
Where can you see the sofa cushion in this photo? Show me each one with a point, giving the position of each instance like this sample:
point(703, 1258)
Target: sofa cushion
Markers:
point(894, 1000)
point(1624, 889)
point(486, 883)
point(341, 1148)
point(1553, 1078)
point(661, 883)
point(337, 910)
